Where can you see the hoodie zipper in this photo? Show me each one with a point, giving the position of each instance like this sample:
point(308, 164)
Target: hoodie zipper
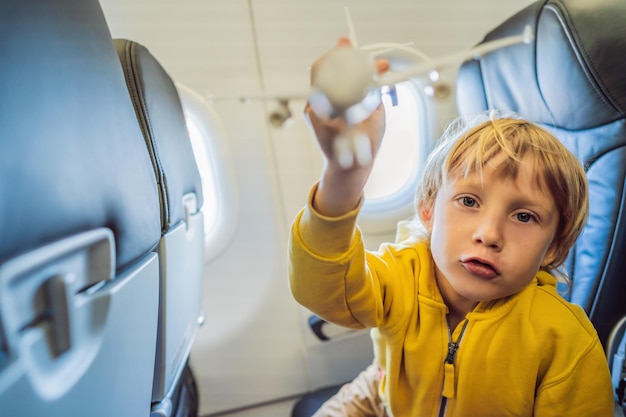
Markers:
point(448, 369)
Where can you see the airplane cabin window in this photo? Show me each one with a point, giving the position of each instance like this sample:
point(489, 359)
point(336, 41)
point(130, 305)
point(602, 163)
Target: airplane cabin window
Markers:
point(215, 165)
point(390, 189)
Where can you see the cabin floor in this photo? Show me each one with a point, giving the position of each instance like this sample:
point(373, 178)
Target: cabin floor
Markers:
point(283, 409)
point(275, 409)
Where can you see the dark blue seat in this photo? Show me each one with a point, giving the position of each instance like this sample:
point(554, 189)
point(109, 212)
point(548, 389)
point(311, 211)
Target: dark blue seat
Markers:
point(571, 81)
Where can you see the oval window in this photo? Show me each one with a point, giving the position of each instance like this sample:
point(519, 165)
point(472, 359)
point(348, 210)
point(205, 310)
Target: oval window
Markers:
point(208, 140)
point(390, 190)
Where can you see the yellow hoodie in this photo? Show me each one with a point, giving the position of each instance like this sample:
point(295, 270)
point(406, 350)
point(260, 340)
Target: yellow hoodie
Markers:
point(530, 354)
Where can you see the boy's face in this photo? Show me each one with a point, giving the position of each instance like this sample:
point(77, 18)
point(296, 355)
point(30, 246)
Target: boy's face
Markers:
point(489, 237)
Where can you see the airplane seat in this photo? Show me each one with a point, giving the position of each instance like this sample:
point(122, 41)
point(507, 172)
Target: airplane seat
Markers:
point(570, 80)
point(181, 248)
point(79, 220)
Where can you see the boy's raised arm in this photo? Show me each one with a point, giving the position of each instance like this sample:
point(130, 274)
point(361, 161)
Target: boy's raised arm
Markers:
point(340, 189)
point(324, 242)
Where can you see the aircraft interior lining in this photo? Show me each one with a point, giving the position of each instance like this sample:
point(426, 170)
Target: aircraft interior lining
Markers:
point(156, 152)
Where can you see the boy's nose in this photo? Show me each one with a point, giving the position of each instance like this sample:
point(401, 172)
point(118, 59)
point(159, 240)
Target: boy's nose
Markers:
point(488, 232)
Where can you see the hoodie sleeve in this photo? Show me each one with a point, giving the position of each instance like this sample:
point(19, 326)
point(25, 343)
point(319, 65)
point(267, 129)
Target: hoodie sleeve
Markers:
point(328, 271)
point(324, 255)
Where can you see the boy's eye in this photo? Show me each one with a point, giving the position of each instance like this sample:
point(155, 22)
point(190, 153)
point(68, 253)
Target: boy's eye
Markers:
point(468, 201)
point(524, 217)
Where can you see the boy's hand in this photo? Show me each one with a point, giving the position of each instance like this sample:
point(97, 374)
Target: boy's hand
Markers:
point(331, 131)
point(341, 186)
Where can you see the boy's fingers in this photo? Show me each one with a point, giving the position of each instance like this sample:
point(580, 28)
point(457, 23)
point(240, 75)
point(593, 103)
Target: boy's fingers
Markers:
point(343, 153)
point(362, 148)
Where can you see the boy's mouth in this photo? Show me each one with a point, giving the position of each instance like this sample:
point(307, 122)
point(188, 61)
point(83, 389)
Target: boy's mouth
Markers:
point(480, 267)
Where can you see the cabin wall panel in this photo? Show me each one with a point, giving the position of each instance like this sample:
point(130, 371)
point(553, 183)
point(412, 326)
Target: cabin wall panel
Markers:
point(250, 349)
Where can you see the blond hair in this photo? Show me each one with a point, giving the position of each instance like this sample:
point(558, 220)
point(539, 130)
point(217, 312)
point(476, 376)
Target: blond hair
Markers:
point(469, 143)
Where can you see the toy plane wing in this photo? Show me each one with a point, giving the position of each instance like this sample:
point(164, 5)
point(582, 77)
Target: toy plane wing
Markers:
point(458, 57)
point(418, 70)
point(263, 97)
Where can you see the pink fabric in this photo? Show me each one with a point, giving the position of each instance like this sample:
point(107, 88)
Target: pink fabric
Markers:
point(359, 398)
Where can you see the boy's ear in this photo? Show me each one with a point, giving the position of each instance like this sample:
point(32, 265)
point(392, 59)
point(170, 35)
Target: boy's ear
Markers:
point(426, 216)
point(551, 254)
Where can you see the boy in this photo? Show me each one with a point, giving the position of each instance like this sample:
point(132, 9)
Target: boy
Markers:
point(467, 319)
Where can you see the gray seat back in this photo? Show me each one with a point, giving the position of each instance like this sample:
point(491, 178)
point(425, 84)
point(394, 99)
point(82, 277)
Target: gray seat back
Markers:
point(79, 219)
point(181, 248)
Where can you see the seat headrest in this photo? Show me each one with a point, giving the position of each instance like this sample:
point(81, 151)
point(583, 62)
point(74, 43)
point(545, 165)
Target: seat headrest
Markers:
point(160, 114)
point(72, 157)
point(570, 76)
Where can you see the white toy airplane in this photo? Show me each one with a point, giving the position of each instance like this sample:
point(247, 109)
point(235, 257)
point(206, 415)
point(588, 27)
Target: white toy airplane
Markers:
point(346, 84)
